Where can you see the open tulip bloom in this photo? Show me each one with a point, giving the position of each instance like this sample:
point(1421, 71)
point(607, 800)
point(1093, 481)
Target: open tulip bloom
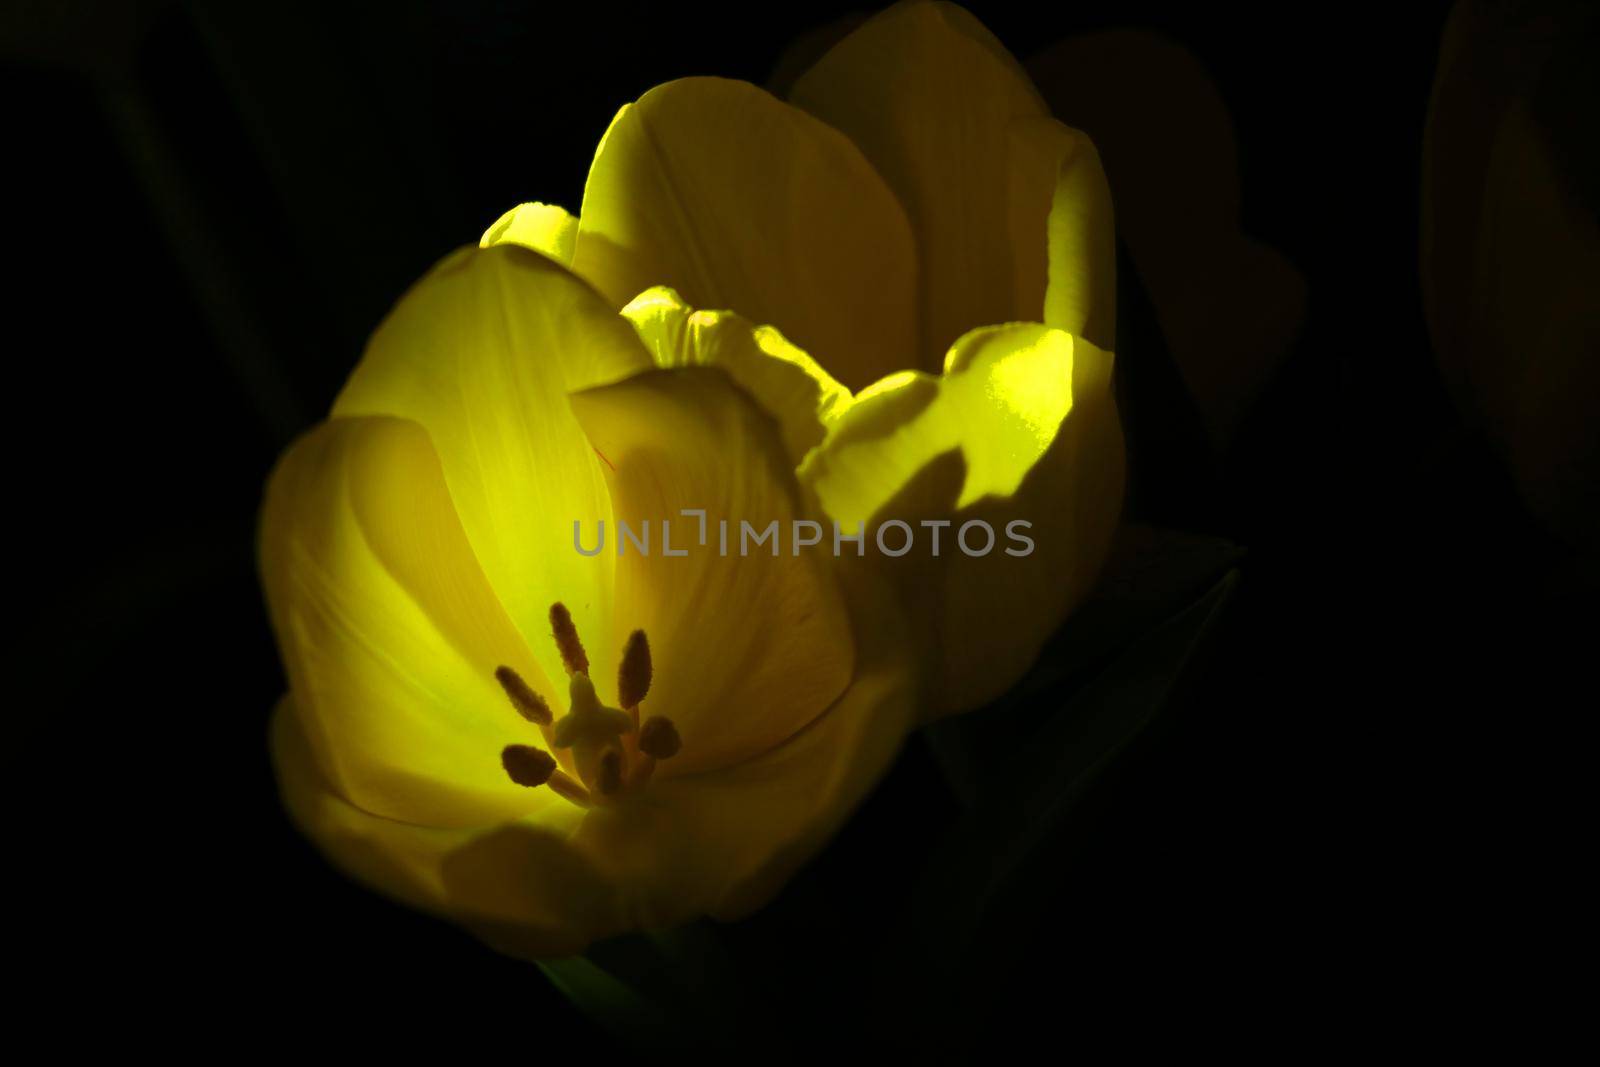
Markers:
point(908, 270)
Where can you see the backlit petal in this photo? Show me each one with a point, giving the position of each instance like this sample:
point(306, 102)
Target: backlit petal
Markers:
point(545, 228)
point(530, 888)
point(787, 383)
point(748, 646)
point(1022, 426)
point(737, 200)
point(1059, 193)
point(483, 352)
point(388, 629)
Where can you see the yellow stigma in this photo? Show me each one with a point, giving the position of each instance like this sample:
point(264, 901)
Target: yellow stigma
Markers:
point(605, 747)
point(589, 722)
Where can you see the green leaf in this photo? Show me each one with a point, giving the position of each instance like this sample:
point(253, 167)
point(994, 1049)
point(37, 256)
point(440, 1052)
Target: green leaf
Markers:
point(673, 989)
point(609, 1001)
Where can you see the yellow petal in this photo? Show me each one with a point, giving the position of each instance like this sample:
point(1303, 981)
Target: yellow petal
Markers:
point(388, 629)
point(1000, 403)
point(787, 383)
point(1059, 191)
point(1022, 427)
point(931, 98)
point(749, 646)
point(482, 353)
point(719, 843)
point(538, 887)
point(739, 201)
point(545, 228)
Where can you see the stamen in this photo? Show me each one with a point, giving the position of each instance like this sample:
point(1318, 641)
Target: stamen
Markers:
point(659, 738)
point(527, 765)
point(530, 704)
point(561, 784)
point(610, 751)
point(608, 780)
point(633, 674)
point(573, 656)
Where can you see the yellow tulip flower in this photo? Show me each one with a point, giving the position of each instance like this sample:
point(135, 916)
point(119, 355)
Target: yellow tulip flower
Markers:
point(550, 746)
point(922, 230)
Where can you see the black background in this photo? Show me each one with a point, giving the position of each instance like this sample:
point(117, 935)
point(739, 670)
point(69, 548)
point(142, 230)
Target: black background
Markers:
point(212, 212)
